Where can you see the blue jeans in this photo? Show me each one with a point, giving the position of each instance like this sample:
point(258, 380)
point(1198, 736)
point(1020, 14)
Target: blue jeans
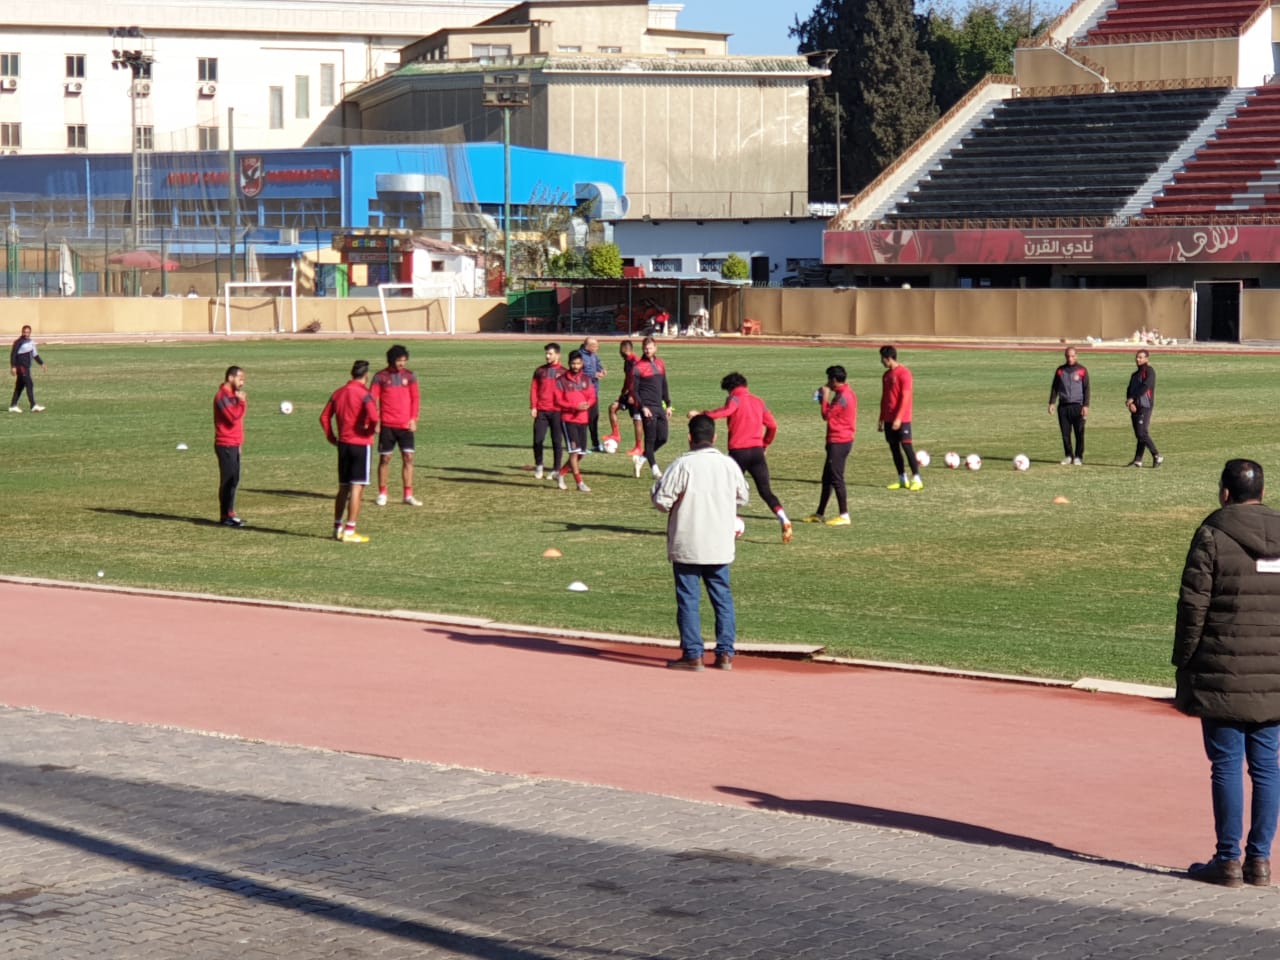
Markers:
point(1228, 745)
point(689, 580)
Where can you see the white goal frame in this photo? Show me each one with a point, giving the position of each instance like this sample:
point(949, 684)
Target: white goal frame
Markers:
point(433, 292)
point(223, 302)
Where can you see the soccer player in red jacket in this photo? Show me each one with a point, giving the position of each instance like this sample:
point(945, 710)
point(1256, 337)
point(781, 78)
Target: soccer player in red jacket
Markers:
point(545, 412)
point(395, 390)
point(651, 397)
point(626, 350)
point(839, 406)
point(751, 429)
point(356, 414)
point(229, 405)
point(575, 396)
point(895, 420)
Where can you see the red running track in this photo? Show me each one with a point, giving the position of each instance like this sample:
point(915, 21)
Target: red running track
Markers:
point(1003, 763)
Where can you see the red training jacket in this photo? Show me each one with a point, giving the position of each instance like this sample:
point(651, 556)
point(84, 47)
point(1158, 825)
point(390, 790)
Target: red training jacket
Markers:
point(895, 395)
point(228, 417)
point(750, 422)
point(396, 393)
point(357, 414)
point(572, 390)
point(542, 391)
point(841, 414)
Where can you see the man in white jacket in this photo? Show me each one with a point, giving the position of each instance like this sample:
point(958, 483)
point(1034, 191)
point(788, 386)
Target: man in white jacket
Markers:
point(700, 493)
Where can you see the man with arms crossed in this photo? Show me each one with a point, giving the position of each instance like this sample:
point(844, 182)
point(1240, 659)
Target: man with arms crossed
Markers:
point(593, 369)
point(395, 390)
point(353, 408)
point(1226, 649)
point(651, 397)
point(701, 493)
point(229, 405)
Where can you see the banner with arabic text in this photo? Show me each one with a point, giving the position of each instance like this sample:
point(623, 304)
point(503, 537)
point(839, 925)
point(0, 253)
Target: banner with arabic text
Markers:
point(1101, 245)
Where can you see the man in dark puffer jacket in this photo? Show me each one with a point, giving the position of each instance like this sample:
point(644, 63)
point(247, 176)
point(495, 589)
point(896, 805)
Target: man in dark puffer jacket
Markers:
point(1227, 651)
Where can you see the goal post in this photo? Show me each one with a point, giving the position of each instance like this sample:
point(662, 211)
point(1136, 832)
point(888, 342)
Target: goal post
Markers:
point(434, 294)
point(223, 303)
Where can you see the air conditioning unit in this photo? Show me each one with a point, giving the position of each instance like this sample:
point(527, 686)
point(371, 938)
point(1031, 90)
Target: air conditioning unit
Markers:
point(8, 83)
point(142, 88)
point(207, 89)
point(74, 86)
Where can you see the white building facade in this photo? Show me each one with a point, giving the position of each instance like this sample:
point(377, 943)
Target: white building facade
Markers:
point(282, 66)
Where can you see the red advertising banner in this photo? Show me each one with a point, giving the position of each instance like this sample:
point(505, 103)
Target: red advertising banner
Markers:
point(1102, 245)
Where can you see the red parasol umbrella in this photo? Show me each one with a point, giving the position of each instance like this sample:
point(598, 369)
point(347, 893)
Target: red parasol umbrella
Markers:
point(143, 260)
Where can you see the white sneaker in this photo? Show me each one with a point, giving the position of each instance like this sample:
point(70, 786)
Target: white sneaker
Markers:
point(37, 409)
point(560, 482)
point(381, 500)
point(582, 486)
point(412, 502)
point(1077, 462)
point(657, 473)
point(537, 472)
point(19, 410)
point(637, 461)
point(1065, 462)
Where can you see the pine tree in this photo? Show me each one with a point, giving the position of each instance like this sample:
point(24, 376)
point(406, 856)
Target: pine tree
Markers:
point(884, 81)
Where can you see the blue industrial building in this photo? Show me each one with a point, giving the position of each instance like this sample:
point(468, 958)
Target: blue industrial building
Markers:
point(289, 197)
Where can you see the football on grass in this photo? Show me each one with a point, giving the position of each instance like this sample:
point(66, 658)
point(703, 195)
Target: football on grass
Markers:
point(1022, 463)
point(286, 407)
point(923, 458)
point(610, 445)
point(952, 459)
point(973, 462)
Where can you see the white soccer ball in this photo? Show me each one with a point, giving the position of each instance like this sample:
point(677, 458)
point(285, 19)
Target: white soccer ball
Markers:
point(610, 445)
point(973, 462)
point(952, 459)
point(1022, 463)
point(739, 526)
point(923, 458)
point(286, 407)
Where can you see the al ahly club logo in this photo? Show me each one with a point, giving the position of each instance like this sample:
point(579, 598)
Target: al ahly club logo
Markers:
point(253, 176)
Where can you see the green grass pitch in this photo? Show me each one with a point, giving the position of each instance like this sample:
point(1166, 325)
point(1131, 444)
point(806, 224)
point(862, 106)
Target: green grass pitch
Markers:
point(980, 570)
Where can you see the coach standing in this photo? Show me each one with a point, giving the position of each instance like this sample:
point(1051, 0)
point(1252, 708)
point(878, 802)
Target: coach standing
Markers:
point(700, 493)
point(229, 405)
point(1070, 389)
point(593, 368)
point(1226, 650)
point(1140, 398)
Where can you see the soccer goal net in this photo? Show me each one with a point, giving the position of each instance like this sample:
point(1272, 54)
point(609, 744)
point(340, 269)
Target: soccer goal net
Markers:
point(252, 311)
point(432, 309)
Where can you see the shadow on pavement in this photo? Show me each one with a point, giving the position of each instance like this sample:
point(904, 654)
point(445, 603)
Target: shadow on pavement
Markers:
point(918, 823)
point(550, 645)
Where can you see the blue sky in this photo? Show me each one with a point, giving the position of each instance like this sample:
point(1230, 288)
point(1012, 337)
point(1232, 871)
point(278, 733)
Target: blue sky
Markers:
point(758, 26)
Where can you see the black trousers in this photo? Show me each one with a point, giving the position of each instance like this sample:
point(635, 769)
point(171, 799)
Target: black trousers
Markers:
point(593, 424)
point(833, 476)
point(1142, 433)
point(754, 465)
point(24, 381)
point(548, 421)
point(228, 480)
point(1071, 421)
point(655, 435)
point(902, 450)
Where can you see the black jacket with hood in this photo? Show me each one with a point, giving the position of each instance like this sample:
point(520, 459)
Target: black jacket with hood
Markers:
point(1227, 640)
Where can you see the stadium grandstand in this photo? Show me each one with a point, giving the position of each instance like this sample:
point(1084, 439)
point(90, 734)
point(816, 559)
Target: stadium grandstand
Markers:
point(1137, 145)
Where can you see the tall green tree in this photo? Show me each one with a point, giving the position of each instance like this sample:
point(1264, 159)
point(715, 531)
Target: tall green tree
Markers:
point(967, 43)
point(883, 80)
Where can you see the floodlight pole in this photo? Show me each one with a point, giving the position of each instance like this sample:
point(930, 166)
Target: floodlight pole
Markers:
point(233, 185)
point(506, 196)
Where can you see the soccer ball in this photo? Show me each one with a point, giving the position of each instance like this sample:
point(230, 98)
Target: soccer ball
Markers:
point(739, 527)
point(610, 445)
point(286, 407)
point(973, 462)
point(922, 458)
point(952, 459)
point(1021, 463)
